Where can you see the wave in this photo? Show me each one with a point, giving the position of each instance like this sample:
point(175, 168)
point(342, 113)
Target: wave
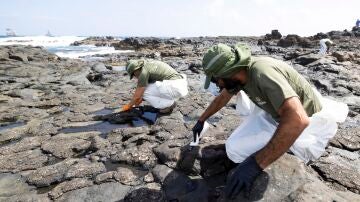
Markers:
point(61, 46)
point(84, 51)
point(45, 41)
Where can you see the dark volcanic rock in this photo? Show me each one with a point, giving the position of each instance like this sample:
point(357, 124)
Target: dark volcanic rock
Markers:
point(27, 160)
point(341, 169)
point(348, 139)
point(275, 34)
point(103, 192)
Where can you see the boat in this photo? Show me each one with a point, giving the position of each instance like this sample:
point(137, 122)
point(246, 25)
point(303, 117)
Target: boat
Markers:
point(49, 34)
point(10, 32)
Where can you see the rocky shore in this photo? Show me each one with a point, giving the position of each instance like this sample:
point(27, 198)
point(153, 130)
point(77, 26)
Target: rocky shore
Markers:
point(52, 148)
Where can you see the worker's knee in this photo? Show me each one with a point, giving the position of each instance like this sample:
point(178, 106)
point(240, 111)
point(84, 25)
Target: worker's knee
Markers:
point(236, 150)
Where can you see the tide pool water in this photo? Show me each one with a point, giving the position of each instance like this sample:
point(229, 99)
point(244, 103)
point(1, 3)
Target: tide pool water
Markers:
point(60, 45)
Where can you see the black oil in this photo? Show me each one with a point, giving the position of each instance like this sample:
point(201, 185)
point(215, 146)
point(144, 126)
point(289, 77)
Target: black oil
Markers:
point(103, 127)
point(104, 111)
point(147, 118)
point(8, 126)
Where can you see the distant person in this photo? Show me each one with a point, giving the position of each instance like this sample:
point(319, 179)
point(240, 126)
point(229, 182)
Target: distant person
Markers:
point(358, 23)
point(157, 83)
point(325, 45)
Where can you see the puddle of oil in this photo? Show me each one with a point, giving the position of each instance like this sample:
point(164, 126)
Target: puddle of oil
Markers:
point(104, 111)
point(11, 125)
point(106, 127)
point(103, 127)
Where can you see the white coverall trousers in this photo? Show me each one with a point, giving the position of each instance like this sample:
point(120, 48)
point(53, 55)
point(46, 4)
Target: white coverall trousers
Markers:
point(162, 94)
point(323, 46)
point(258, 128)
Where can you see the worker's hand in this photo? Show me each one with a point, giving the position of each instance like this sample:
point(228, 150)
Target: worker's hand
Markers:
point(243, 177)
point(126, 107)
point(197, 129)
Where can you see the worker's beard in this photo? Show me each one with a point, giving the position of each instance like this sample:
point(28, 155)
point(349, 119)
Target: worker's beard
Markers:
point(230, 84)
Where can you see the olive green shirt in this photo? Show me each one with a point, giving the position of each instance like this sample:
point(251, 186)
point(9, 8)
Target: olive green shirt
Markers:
point(270, 82)
point(153, 71)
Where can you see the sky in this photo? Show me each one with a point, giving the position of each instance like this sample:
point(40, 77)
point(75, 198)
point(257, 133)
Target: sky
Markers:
point(181, 18)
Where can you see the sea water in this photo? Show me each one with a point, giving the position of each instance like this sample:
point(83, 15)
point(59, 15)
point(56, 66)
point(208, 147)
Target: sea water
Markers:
point(60, 45)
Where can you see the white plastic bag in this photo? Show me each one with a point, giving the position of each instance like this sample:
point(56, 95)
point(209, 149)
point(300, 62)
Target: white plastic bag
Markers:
point(244, 106)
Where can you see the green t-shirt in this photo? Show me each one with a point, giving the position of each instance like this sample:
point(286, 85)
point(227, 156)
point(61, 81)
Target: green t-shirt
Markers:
point(153, 71)
point(272, 81)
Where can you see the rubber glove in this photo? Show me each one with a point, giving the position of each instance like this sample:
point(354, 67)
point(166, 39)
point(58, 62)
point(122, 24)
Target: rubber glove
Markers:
point(126, 107)
point(197, 129)
point(243, 177)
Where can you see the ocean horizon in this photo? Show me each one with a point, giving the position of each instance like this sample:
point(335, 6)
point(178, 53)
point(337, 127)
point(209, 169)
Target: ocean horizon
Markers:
point(61, 45)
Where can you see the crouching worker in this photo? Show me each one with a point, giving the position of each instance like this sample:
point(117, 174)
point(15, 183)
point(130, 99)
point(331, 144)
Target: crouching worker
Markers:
point(287, 113)
point(157, 83)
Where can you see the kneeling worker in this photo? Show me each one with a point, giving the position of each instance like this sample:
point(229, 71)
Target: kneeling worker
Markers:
point(289, 113)
point(157, 83)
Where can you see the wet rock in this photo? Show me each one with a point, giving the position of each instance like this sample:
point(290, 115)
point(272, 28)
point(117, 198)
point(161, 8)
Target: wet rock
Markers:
point(18, 57)
point(348, 138)
point(84, 168)
point(175, 184)
point(105, 177)
point(65, 147)
point(123, 134)
point(67, 186)
point(307, 59)
point(47, 175)
point(99, 143)
point(149, 178)
point(151, 192)
point(169, 153)
point(27, 143)
point(340, 169)
point(41, 127)
point(12, 185)
point(315, 191)
point(99, 67)
point(173, 124)
point(103, 192)
point(140, 155)
point(27, 160)
point(127, 176)
point(27, 197)
point(67, 169)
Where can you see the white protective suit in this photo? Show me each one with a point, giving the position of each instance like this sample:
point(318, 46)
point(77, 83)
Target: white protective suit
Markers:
point(323, 47)
point(162, 94)
point(258, 128)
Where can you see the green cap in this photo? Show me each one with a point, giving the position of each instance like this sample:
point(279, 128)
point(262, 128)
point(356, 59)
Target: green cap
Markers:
point(223, 61)
point(133, 65)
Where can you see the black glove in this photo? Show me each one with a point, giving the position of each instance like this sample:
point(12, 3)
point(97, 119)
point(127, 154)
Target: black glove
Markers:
point(197, 129)
point(243, 177)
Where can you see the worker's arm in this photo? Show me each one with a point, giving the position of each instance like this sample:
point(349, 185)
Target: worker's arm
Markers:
point(137, 97)
point(293, 120)
point(219, 102)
